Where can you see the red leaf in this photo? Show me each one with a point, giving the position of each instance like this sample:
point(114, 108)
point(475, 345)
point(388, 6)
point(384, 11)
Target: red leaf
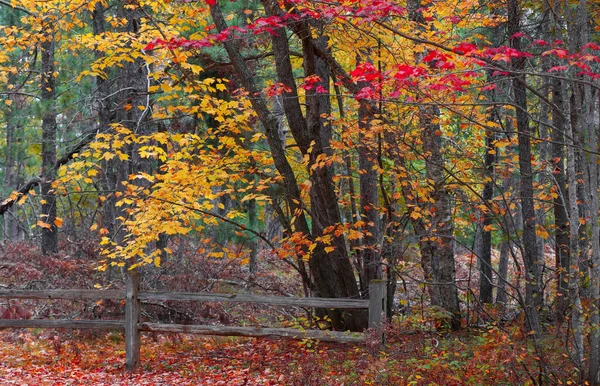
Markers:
point(211, 2)
point(365, 72)
point(559, 52)
point(455, 19)
point(464, 48)
point(592, 46)
point(557, 68)
point(489, 87)
point(405, 71)
point(432, 55)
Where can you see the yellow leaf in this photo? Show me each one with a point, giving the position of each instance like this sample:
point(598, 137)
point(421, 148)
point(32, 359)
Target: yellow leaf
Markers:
point(542, 232)
point(157, 261)
point(329, 249)
point(42, 224)
point(22, 200)
point(94, 227)
point(415, 215)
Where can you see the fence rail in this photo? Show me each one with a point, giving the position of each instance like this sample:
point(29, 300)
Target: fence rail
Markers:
point(132, 325)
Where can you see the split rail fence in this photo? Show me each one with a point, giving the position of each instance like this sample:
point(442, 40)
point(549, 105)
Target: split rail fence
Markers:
point(133, 327)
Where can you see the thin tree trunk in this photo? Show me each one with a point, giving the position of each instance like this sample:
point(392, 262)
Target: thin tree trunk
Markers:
point(560, 202)
point(501, 295)
point(253, 260)
point(576, 317)
point(13, 130)
point(485, 252)
point(369, 197)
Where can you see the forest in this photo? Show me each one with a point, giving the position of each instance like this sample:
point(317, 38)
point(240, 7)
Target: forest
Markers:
point(301, 148)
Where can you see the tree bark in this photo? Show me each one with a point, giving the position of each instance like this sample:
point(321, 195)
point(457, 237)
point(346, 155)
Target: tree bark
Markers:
point(437, 244)
point(485, 253)
point(48, 93)
point(560, 202)
point(531, 260)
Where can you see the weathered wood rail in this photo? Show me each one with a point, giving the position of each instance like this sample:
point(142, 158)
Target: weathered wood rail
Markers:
point(133, 326)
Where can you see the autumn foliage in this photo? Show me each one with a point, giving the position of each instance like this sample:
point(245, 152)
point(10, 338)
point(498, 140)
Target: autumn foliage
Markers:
point(307, 148)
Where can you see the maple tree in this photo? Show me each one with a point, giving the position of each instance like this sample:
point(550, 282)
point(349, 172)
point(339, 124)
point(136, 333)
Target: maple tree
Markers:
point(372, 129)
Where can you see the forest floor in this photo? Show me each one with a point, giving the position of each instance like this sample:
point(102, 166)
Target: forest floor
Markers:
point(487, 357)
point(417, 351)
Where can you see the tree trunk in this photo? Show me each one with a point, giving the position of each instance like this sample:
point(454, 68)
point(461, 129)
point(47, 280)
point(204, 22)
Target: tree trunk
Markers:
point(501, 295)
point(436, 239)
point(48, 92)
point(11, 173)
point(576, 318)
point(368, 182)
point(437, 242)
point(332, 273)
point(560, 202)
point(531, 260)
point(592, 168)
point(253, 260)
point(485, 253)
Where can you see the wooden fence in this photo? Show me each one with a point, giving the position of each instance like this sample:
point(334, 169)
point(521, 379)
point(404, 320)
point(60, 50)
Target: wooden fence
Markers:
point(133, 327)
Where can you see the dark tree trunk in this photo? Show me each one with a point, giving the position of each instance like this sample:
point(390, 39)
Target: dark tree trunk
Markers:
point(48, 93)
point(485, 253)
point(531, 260)
point(368, 182)
point(560, 202)
point(490, 157)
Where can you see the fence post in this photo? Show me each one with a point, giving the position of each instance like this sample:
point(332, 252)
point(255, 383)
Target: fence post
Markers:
point(132, 318)
point(377, 305)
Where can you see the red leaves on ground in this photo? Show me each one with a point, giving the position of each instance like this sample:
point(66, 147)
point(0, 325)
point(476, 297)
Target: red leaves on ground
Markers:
point(486, 356)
